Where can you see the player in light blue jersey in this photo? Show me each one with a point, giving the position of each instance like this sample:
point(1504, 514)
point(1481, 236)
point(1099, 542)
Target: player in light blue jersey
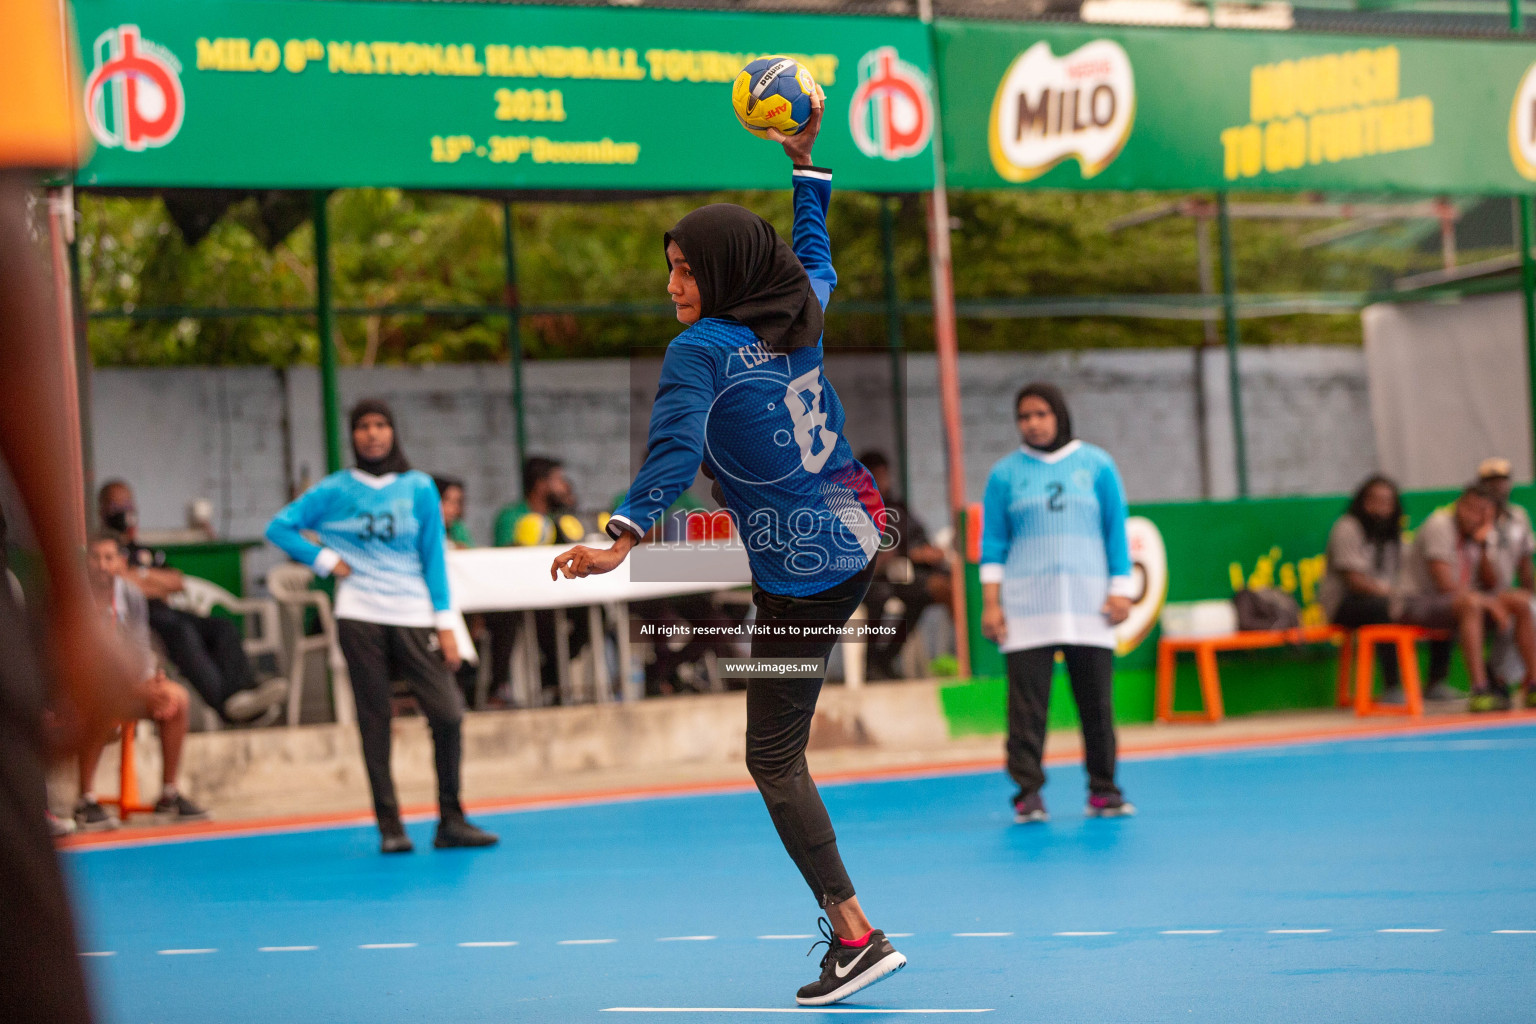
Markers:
point(380, 530)
point(742, 391)
point(1056, 576)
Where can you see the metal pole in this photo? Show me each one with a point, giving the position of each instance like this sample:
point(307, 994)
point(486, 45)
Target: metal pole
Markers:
point(325, 324)
point(1527, 274)
point(514, 337)
point(946, 344)
point(894, 340)
point(1208, 340)
point(60, 233)
point(1229, 311)
point(83, 366)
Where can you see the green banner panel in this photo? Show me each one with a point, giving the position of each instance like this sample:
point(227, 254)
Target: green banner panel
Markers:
point(1076, 107)
point(273, 94)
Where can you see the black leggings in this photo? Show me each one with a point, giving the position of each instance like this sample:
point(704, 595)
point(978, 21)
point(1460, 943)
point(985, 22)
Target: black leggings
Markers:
point(779, 713)
point(376, 655)
point(1091, 670)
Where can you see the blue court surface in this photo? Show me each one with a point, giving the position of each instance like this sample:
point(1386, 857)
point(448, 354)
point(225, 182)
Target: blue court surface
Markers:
point(1387, 879)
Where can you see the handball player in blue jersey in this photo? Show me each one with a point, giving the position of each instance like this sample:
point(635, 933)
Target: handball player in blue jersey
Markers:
point(380, 530)
point(742, 392)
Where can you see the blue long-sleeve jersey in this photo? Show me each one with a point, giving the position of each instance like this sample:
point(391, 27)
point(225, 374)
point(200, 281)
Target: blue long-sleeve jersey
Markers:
point(389, 530)
point(1053, 534)
point(769, 427)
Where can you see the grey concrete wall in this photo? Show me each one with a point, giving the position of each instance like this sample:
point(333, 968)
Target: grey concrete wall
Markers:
point(246, 437)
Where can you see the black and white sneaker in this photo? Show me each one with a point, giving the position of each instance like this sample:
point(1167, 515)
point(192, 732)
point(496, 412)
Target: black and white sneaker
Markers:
point(171, 808)
point(845, 969)
point(1108, 805)
point(90, 816)
point(1029, 810)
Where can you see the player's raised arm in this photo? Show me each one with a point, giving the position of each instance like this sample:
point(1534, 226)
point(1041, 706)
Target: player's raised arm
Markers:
point(813, 194)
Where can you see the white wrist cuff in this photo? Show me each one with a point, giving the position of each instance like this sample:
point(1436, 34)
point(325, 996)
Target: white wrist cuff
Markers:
point(446, 620)
point(992, 572)
point(1122, 586)
point(325, 562)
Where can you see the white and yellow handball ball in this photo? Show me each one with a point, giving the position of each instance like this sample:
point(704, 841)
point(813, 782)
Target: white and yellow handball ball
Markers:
point(773, 94)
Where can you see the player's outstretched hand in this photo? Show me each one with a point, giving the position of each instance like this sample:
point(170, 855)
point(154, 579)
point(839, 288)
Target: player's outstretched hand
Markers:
point(582, 561)
point(798, 147)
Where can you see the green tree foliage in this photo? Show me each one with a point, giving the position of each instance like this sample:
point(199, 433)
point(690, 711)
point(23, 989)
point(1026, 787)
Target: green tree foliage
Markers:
point(391, 248)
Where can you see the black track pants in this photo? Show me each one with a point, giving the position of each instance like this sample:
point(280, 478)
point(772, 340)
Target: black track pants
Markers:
point(376, 655)
point(779, 713)
point(1091, 670)
point(208, 651)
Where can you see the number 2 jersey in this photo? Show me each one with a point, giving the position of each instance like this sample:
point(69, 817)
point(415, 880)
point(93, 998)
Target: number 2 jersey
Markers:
point(389, 530)
point(1053, 534)
point(769, 427)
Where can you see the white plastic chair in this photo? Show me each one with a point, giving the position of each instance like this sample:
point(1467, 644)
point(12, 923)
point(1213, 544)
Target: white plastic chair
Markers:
point(289, 587)
point(200, 597)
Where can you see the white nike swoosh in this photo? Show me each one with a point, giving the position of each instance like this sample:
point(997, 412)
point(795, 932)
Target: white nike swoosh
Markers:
point(843, 972)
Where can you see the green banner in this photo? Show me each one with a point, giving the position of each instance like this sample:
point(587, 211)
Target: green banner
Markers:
point(273, 94)
point(1141, 108)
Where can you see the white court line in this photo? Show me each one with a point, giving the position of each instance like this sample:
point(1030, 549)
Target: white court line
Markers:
point(388, 945)
point(767, 1009)
point(982, 935)
point(286, 949)
point(104, 952)
point(487, 945)
point(585, 942)
point(1501, 931)
point(786, 936)
point(899, 935)
point(184, 952)
point(1192, 931)
point(1408, 931)
point(1074, 934)
point(1299, 931)
point(688, 938)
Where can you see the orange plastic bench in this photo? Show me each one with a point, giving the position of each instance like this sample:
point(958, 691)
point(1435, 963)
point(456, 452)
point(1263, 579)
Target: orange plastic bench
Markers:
point(1361, 645)
point(1205, 648)
point(127, 800)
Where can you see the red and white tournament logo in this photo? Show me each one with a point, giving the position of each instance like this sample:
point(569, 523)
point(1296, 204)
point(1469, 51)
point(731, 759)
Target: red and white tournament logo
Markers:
point(133, 96)
point(891, 113)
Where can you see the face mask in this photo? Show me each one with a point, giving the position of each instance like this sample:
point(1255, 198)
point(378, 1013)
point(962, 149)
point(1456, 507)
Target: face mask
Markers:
point(120, 520)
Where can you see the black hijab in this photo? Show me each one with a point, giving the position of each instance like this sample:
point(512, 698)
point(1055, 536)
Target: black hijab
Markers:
point(1051, 395)
point(394, 460)
point(748, 274)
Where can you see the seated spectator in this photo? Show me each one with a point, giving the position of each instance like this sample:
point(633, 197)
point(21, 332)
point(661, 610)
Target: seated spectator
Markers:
point(1513, 547)
point(1447, 584)
point(546, 515)
point(908, 567)
point(451, 492)
point(208, 651)
point(159, 699)
point(1365, 557)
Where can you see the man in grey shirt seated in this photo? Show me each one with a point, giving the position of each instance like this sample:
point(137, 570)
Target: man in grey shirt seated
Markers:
point(1513, 545)
point(1448, 582)
point(1365, 557)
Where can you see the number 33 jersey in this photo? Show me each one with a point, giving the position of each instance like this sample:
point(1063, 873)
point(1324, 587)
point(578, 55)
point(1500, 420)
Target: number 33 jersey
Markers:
point(389, 530)
point(1053, 534)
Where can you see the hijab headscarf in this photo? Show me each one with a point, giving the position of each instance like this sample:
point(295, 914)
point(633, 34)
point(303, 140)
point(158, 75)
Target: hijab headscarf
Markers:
point(747, 273)
point(393, 460)
point(1051, 395)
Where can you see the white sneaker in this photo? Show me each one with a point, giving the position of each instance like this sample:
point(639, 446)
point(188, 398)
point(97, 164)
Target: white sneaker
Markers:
point(249, 704)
